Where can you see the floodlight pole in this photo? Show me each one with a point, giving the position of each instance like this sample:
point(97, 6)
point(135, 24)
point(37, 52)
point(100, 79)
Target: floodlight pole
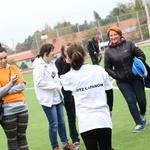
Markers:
point(44, 37)
point(14, 48)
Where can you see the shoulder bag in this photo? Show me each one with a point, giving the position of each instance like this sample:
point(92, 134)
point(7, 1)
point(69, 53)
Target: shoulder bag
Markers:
point(1, 102)
point(1, 110)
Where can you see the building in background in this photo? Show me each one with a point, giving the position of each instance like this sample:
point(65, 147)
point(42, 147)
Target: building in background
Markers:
point(22, 59)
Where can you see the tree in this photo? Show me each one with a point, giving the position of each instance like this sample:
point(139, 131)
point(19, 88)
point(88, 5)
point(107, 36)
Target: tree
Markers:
point(122, 8)
point(63, 28)
point(8, 49)
point(23, 66)
point(12, 62)
point(49, 31)
point(97, 18)
point(138, 5)
point(20, 47)
point(26, 45)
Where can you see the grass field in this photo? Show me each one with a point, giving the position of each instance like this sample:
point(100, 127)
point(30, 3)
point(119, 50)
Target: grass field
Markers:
point(123, 124)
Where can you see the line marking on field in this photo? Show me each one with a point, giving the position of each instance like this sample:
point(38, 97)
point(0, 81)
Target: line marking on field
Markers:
point(29, 88)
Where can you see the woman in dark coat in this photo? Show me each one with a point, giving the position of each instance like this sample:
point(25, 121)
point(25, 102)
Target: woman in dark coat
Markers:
point(118, 63)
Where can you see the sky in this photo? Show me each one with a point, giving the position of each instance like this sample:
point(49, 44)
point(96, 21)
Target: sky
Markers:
point(21, 18)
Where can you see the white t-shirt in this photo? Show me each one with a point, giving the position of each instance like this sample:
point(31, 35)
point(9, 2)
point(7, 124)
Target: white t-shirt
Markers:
point(88, 86)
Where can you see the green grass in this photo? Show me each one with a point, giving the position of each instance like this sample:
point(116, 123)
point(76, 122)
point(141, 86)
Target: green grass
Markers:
point(123, 124)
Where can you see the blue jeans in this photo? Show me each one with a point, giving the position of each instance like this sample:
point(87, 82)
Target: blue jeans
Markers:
point(70, 109)
point(134, 93)
point(55, 116)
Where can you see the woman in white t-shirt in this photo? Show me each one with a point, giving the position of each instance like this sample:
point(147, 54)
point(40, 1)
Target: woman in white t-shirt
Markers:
point(88, 84)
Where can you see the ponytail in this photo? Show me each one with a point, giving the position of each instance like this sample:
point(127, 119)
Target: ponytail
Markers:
point(76, 54)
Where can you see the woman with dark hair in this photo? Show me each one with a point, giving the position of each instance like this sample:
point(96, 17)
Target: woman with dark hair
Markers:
point(118, 63)
point(88, 84)
point(48, 91)
point(15, 115)
point(63, 67)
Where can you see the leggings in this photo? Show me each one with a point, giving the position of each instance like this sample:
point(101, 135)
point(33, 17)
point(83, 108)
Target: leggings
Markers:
point(15, 127)
point(97, 139)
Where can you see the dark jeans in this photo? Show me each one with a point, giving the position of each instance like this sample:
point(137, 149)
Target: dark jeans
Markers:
point(94, 59)
point(134, 93)
point(97, 139)
point(70, 109)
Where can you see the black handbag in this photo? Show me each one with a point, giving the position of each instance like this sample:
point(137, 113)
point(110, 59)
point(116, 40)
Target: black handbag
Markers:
point(1, 102)
point(1, 110)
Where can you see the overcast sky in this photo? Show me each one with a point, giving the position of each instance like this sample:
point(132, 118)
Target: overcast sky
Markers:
point(21, 18)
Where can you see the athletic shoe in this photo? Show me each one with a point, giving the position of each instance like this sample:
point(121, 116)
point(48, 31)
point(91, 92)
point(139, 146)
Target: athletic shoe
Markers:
point(144, 120)
point(138, 128)
point(68, 147)
point(57, 148)
point(76, 145)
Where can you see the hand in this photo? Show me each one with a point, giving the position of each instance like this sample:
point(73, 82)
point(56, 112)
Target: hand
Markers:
point(14, 79)
point(110, 113)
point(68, 60)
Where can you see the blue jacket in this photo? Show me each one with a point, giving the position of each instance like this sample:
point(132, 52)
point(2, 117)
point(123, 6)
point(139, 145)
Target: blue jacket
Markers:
point(142, 69)
point(138, 68)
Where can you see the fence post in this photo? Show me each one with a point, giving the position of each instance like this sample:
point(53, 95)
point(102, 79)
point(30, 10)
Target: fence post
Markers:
point(139, 25)
point(79, 34)
point(118, 21)
point(36, 42)
point(101, 35)
point(57, 34)
point(147, 14)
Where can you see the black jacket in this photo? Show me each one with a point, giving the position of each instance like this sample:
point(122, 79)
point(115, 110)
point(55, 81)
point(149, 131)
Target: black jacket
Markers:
point(118, 60)
point(63, 68)
point(92, 48)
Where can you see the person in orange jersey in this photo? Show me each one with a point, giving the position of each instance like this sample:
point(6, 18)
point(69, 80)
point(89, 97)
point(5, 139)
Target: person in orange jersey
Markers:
point(15, 115)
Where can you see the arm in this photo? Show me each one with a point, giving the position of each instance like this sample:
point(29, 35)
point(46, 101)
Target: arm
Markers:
point(108, 91)
point(109, 94)
point(39, 81)
point(17, 88)
point(66, 82)
point(4, 90)
point(108, 65)
point(137, 52)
